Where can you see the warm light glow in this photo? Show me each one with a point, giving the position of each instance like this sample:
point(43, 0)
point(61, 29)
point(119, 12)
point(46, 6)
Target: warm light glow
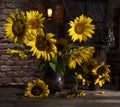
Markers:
point(49, 12)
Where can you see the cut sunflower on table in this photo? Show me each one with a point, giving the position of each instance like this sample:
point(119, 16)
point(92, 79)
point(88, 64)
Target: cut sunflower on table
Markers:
point(37, 88)
point(80, 93)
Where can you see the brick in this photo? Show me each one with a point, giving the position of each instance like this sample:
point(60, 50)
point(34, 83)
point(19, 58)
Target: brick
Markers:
point(32, 62)
point(2, 5)
point(10, 5)
point(2, 74)
point(12, 45)
point(22, 79)
point(13, 62)
point(2, 35)
point(37, 74)
point(6, 11)
point(29, 68)
point(2, 22)
point(14, 58)
point(16, 68)
point(16, 74)
point(9, 62)
point(27, 79)
point(5, 80)
point(1, 29)
point(5, 41)
point(5, 57)
point(4, 46)
point(2, 62)
point(2, 17)
point(4, 68)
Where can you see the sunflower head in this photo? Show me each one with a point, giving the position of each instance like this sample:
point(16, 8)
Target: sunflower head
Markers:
point(100, 80)
point(101, 69)
point(37, 88)
point(15, 26)
point(43, 45)
point(81, 28)
point(35, 20)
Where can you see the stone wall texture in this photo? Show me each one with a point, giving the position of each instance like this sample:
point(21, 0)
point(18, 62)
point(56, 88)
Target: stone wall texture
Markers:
point(15, 70)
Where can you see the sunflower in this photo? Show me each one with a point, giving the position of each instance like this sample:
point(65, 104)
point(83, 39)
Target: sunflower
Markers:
point(17, 52)
point(43, 46)
point(81, 28)
point(62, 45)
point(35, 21)
point(100, 80)
point(81, 93)
point(88, 66)
point(101, 69)
point(71, 96)
point(82, 54)
point(74, 59)
point(15, 26)
point(37, 88)
point(80, 78)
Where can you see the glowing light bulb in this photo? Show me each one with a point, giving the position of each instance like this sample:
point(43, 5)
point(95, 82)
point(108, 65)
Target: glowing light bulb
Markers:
point(49, 12)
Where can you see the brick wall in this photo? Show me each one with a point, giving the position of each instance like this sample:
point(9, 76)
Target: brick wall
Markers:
point(15, 70)
point(18, 71)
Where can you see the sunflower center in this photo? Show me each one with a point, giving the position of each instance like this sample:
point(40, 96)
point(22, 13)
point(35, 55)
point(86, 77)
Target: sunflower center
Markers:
point(18, 27)
point(42, 44)
point(36, 90)
point(34, 23)
point(101, 70)
point(79, 28)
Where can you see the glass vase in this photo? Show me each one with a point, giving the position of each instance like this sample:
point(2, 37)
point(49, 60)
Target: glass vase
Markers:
point(54, 80)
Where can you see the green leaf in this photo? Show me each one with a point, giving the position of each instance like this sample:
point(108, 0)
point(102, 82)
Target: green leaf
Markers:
point(53, 66)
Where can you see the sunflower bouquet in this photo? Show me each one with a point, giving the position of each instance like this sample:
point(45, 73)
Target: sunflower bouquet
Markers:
point(27, 30)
